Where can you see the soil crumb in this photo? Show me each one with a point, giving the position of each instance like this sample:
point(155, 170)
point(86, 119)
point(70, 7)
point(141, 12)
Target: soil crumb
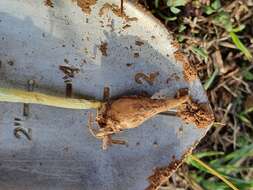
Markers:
point(199, 114)
point(162, 174)
point(49, 3)
point(116, 10)
point(103, 48)
point(190, 73)
point(150, 78)
point(85, 5)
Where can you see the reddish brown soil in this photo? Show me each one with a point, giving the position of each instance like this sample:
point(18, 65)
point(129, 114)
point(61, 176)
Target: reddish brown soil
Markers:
point(160, 175)
point(85, 5)
point(190, 73)
point(116, 10)
point(49, 3)
point(199, 114)
point(175, 44)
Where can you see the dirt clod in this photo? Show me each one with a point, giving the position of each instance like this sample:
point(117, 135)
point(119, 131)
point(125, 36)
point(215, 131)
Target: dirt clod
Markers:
point(198, 113)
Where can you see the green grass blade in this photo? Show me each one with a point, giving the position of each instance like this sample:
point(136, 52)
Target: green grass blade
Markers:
point(239, 154)
point(240, 45)
point(228, 169)
point(210, 81)
point(243, 117)
point(235, 156)
point(175, 10)
point(156, 3)
point(209, 185)
point(242, 184)
point(200, 52)
point(210, 170)
point(249, 110)
point(208, 154)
